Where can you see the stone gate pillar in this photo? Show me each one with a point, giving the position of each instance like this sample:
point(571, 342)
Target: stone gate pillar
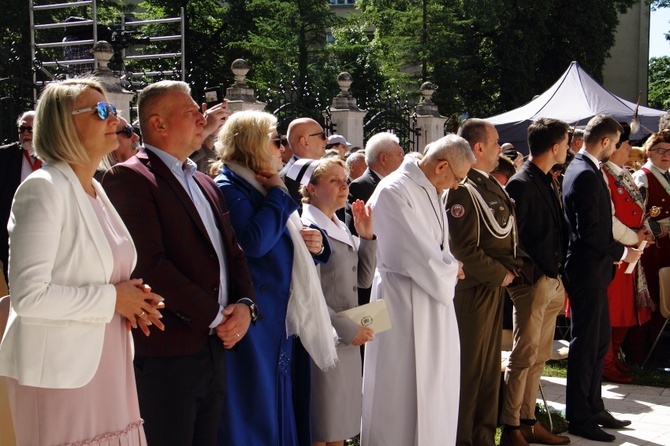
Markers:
point(345, 114)
point(428, 117)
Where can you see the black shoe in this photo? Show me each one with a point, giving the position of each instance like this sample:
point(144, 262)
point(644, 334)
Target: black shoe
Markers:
point(589, 429)
point(605, 419)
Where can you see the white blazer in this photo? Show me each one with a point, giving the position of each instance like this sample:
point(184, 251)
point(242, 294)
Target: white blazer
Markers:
point(59, 272)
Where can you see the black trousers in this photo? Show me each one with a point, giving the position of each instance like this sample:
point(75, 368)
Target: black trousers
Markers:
point(591, 333)
point(181, 397)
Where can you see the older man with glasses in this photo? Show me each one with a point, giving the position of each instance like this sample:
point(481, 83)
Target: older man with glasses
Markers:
point(17, 161)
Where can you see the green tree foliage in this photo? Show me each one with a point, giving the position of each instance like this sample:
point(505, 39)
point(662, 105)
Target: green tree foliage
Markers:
point(488, 56)
point(353, 52)
point(659, 82)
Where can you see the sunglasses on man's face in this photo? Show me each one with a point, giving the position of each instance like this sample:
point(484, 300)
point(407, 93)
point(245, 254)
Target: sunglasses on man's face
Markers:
point(24, 128)
point(104, 109)
point(127, 131)
point(321, 134)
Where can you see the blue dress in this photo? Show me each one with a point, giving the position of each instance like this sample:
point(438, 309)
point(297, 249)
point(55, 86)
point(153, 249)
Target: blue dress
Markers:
point(267, 374)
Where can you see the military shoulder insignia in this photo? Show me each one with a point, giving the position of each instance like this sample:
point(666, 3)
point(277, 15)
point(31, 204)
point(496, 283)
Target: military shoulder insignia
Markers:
point(457, 211)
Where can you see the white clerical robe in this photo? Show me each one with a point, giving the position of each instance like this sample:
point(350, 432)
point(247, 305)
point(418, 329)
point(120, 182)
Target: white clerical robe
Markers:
point(412, 371)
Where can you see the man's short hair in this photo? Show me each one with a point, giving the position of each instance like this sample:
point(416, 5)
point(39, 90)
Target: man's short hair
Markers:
point(450, 147)
point(474, 130)
point(378, 144)
point(544, 133)
point(599, 127)
point(55, 137)
point(353, 157)
point(505, 167)
point(152, 93)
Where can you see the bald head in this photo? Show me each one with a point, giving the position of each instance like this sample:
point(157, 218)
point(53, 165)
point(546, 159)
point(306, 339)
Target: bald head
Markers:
point(307, 138)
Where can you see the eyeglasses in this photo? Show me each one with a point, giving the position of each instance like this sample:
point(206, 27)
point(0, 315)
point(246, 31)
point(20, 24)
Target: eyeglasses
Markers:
point(277, 142)
point(24, 128)
point(104, 109)
point(660, 151)
point(321, 134)
point(127, 131)
point(571, 135)
point(460, 181)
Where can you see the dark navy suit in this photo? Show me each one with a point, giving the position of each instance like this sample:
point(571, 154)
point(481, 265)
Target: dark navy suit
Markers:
point(589, 269)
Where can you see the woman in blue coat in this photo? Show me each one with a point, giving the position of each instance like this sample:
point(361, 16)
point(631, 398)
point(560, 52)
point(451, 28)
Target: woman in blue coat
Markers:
point(267, 400)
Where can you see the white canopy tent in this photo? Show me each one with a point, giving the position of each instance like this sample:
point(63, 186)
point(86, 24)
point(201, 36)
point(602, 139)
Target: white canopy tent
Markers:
point(575, 98)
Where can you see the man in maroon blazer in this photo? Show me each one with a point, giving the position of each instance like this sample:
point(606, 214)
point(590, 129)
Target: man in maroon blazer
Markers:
point(188, 253)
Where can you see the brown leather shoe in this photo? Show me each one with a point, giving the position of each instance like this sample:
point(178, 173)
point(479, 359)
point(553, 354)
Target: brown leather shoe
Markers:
point(538, 434)
point(512, 438)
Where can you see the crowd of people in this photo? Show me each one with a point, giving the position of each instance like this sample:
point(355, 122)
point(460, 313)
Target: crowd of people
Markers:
point(190, 290)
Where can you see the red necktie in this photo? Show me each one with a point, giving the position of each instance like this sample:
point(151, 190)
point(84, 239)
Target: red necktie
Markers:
point(34, 162)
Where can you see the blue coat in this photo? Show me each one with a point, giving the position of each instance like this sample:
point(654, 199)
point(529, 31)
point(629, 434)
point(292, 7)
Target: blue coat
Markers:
point(267, 400)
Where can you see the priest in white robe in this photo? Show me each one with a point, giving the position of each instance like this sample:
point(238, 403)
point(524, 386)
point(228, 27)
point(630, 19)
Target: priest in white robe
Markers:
point(412, 371)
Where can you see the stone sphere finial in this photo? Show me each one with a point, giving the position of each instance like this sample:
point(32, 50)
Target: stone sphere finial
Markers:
point(240, 68)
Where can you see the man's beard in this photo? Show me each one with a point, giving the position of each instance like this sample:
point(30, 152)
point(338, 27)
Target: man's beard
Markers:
point(28, 147)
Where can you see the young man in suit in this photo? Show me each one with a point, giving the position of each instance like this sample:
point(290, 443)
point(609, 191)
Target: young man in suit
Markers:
point(17, 161)
point(543, 236)
point(482, 235)
point(589, 269)
point(187, 250)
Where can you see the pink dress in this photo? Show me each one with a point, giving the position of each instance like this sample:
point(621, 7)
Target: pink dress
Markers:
point(104, 412)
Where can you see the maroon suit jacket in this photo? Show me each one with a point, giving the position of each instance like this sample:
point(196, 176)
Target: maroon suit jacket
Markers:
point(175, 255)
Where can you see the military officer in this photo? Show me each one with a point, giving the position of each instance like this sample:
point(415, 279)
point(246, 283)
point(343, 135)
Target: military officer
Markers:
point(482, 235)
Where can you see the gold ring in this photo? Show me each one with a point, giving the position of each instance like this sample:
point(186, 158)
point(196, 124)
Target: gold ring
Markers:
point(143, 313)
point(237, 334)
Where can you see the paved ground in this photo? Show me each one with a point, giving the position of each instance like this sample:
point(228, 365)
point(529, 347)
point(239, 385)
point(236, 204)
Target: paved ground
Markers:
point(647, 407)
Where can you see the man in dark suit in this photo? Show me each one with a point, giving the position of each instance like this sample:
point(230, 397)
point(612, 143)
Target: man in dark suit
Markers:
point(383, 155)
point(17, 161)
point(187, 250)
point(589, 269)
point(482, 235)
point(543, 236)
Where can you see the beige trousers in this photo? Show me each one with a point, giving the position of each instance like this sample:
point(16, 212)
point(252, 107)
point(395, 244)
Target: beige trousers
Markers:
point(535, 311)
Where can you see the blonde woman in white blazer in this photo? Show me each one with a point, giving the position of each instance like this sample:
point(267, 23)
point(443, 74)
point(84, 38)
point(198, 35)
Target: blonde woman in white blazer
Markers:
point(67, 351)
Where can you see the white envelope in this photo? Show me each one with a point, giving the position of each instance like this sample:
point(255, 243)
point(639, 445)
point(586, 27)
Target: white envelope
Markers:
point(373, 315)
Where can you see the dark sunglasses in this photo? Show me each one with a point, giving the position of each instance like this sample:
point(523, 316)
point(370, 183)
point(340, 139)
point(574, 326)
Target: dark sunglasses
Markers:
point(321, 134)
point(127, 131)
point(25, 129)
point(278, 142)
point(104, 109)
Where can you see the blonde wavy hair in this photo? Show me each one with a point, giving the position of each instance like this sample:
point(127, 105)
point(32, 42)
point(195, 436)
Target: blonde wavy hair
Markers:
point(244, 139)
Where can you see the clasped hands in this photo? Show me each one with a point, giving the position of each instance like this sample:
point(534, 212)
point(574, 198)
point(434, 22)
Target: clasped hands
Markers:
point(136, 302)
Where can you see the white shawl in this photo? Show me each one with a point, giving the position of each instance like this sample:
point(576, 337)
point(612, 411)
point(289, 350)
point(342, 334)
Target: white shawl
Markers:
point(307, 314)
